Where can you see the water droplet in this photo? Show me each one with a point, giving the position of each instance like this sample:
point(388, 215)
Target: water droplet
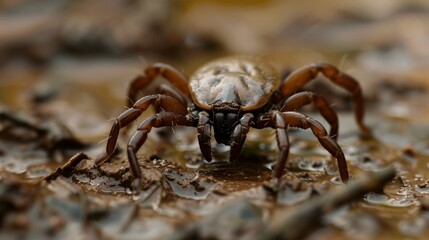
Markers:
point(311, 165)
point(376, 198)
point(381, 199)
point(336, 180)
point(194, 163)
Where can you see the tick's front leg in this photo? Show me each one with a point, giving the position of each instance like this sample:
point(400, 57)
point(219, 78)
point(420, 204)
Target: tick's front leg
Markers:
point(299, 120)
point(168, 103)
point(163, 119)
point(204, 135)
point(239, 136)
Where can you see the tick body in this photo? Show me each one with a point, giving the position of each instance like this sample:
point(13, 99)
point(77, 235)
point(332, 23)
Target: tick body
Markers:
point(229, 96)
point(244, 80)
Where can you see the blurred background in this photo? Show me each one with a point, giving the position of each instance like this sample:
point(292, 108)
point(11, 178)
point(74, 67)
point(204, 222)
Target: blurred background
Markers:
point(71, 60)
point(52, 48)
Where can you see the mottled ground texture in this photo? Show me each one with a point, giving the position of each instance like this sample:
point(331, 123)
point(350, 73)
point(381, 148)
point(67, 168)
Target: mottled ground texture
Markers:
point(64, 72)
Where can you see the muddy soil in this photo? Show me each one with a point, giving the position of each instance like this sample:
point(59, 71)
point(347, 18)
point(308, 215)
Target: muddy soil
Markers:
point(64, 76)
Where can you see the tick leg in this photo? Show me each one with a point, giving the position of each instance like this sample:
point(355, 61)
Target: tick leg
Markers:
point(302, 76)
point(204, 135)
point(167, 103)
point(239, 136)
point(301, 99)
point(168, 90)
point(138, 139)
point(299, 120)
point(282, 142)
point(168, 72)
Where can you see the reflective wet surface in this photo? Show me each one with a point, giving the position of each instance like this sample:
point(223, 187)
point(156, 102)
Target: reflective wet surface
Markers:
point(59, 94)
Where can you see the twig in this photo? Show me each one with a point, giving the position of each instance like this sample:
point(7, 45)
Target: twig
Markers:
point(67, 169)
point(298, 223)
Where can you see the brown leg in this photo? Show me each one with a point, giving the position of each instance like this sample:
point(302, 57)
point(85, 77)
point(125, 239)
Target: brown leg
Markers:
point(239, 136)
point(302, 76)
point(175, 77)
point(299, 120)
point(282, 142)
point(168, 90)
point(159, 120)
point(204, 135)
point(301, 99)
point(167, 103)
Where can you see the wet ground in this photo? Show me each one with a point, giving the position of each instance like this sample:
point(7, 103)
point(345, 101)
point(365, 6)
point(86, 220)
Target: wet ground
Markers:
point(61, 88)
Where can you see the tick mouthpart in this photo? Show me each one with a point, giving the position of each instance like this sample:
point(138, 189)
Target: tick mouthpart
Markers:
point(226, 107)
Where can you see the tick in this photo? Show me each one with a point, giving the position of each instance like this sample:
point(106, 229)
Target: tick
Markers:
point(226, 98)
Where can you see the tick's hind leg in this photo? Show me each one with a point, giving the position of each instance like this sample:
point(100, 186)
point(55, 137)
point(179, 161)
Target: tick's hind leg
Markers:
point(168, 72)
point(302, 76)
point(301, 99)
point(168, 103)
